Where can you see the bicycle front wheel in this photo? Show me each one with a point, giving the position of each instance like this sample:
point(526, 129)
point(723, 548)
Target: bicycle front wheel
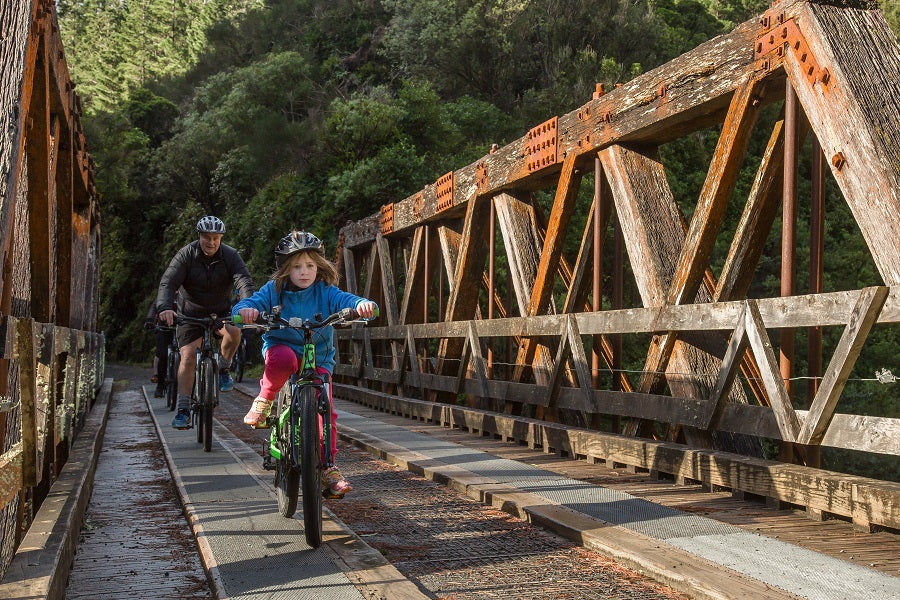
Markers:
point(172, 380)
point(208, 401)
point(287, 475)
point(311, 466)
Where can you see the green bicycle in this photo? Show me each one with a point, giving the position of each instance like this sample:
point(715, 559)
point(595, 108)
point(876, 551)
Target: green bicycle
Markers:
point(301, 423)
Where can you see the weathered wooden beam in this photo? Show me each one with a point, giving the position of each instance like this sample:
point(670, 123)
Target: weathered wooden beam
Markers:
point(810, 310)
point(27, 395)
point(17, 52)
point(414, 300)
point(463, 298)
point(560, 215)
point(758, 339)
point(389, 291)
point(350, 273)
point(854, 113)
point(728, 372)
point(38, 149)
point(822, 409)
point(10, 473)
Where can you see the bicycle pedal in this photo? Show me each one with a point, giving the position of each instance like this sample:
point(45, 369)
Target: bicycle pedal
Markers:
point(268, 463)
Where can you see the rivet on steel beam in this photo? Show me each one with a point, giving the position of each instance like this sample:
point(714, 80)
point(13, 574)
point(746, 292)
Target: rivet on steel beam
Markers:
point(838, 161)
point(781, 17)
point(803, 57)
point(662, 90)
point(784, 32)
point(825, 77)
point(598, 91)
point(766, 65)
point(764, 21)
point(758, 47)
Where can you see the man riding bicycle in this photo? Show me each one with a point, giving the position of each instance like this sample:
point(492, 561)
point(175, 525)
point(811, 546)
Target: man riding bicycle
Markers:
point(206, 272)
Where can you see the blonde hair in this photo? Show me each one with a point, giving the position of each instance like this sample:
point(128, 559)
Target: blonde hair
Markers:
point(325, 270)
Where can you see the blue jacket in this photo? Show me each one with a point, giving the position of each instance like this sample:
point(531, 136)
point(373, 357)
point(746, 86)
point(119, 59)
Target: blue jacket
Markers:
point(317, 298)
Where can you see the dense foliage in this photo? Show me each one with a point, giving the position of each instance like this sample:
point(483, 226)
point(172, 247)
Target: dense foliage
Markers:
point(280, 114)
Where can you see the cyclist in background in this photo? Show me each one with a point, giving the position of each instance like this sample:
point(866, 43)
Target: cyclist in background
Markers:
point(304, 284)
point(206, 271)
point(163, 339)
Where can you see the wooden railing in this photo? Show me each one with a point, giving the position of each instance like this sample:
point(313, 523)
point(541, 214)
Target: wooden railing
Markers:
point(822, 425)
point(54, 376)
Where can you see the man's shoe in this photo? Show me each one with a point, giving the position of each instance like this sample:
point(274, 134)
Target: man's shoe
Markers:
point(160, 390)
point(225, 382)
point(182, 420)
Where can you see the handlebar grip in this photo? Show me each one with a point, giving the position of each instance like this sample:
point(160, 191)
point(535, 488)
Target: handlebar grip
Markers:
point(237, 320)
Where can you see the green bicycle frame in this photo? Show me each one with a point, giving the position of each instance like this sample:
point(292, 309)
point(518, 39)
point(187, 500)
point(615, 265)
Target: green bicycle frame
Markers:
point(309, 358)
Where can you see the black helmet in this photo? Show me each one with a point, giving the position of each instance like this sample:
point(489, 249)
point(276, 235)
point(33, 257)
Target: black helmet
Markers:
point(210, 224)
point(294, 242)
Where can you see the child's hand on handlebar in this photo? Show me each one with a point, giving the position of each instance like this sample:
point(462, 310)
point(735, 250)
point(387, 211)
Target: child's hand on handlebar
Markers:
point(249, 315)
point(366, 309)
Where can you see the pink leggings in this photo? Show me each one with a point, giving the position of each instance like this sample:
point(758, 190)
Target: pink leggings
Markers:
point(281, 361)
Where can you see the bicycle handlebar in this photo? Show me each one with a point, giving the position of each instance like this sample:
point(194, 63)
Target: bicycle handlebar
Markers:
point(276, 321)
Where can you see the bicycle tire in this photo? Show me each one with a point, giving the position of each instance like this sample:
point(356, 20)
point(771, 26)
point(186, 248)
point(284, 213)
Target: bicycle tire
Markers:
point(172, 380)
point(240, 359)
point(287, 476)
point(208, 401)
point(197, 402)
point(311, 465)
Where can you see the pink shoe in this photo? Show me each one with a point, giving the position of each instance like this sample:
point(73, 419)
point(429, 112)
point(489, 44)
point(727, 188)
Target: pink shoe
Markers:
point(259, 413)
point(333, 484)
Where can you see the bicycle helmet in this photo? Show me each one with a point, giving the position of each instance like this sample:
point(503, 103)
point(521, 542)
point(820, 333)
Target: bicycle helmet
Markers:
point(210, 224)
point(294, 242)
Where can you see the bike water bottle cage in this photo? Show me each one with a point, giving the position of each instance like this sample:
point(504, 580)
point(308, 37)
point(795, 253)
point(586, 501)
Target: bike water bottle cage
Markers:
point(294, 242)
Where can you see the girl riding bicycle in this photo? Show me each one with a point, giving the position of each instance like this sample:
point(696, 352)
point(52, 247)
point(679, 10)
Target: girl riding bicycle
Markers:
point(304, 285)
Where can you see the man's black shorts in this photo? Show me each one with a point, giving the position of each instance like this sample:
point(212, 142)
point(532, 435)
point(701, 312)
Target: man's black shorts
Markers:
point(190, 332)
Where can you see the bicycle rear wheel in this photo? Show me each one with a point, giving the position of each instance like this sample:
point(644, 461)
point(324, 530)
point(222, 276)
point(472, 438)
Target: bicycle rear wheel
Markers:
point(287, 476)
point(172, 379)
point(208, 401)
point(311, 466)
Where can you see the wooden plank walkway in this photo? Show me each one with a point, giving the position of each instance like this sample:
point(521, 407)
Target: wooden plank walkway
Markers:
point(135, 541)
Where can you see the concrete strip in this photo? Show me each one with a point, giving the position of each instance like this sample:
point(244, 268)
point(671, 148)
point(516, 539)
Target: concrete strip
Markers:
point(668, 564)
point(43, 560)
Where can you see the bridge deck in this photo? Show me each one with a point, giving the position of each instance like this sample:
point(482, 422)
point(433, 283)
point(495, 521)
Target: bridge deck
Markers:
point(704, 543)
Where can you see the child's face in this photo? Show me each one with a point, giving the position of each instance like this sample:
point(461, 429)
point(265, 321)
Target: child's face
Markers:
point(303, 270)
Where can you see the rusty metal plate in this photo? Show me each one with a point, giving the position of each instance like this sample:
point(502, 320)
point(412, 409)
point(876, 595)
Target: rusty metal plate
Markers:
point(387, 218)
point(787, 34)
point(444, 191)
point(482, 181)
point(541, 146)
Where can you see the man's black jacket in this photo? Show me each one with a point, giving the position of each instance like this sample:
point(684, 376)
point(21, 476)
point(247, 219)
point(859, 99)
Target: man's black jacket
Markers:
point(207, 282)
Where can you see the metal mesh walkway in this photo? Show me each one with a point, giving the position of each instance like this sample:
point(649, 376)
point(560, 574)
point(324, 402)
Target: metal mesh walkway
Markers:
point(800, 571)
